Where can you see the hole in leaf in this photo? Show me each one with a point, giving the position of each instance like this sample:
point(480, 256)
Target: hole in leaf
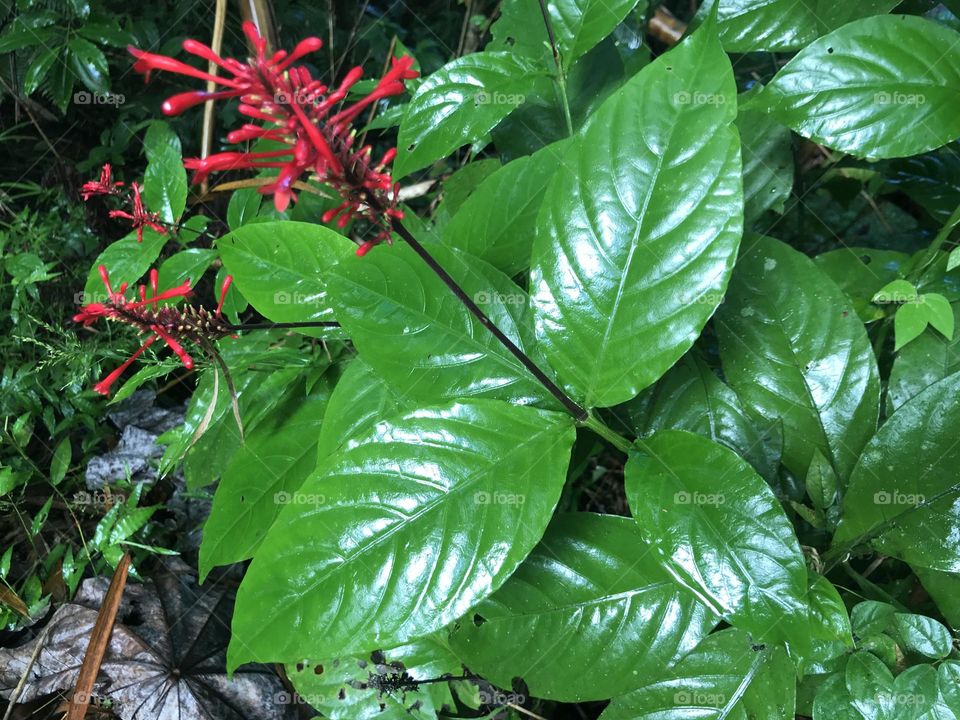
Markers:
point(478, 619)
point(830, 51)
point(318, 670)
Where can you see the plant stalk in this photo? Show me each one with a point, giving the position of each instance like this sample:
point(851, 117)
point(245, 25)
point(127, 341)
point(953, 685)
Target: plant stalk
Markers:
point(558, 61)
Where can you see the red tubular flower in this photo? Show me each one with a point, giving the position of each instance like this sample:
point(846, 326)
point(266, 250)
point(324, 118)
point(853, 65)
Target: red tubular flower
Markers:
point(171, 324)
point(139, 218)
point(104, 186)
point(296, 110)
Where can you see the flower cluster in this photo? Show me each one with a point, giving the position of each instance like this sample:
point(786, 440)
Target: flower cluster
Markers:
point(171, 324)
point(303, 114)
point(138, 216)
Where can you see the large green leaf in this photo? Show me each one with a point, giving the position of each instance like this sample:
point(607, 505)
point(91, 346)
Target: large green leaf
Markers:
point(497, 223)
point(281, 268)
point(591, 594)
point(459, 104)
point(640, 227)
point(749, 25)
point(728, 676)
point(720, 531)
point(262, 477)
point(126, 261)
point(165, 186)
point(903, 491)
point(416, 521)
point(578, 25)
point(794, 349)
point(856, 89)
point(419, 337)
point(691, 397)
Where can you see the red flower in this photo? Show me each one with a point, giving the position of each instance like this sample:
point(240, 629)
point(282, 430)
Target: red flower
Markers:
point(294, 109)
point(103, 186)
point(139, 218)
point(171, 324)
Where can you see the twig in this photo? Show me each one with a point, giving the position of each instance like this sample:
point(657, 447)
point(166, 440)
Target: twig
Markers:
point(216, 44)
point(666, 27)
point(99, 640)
point(558, 61)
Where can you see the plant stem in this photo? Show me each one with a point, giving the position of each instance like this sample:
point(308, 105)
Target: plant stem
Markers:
point(579, 413)
point(930, 256)
point(611, 436)
point(558, 61)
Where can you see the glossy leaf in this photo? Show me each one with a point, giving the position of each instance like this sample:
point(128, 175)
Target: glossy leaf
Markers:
point(126, 261)
point(750, 25)
point(459, 104)
point(923, 635)
point(719, 530)
point(691, 397)
point(419, 337)
point(262, 477)
point(903, 492)
point(727, 676)
point(793, 348)
point(578, 25)
point(497, 223)
point(624, 276)
point(875, 693)
point(189, 264)
point(592, 591)
point(282, 267)
point(856, 89)
point(413, 524)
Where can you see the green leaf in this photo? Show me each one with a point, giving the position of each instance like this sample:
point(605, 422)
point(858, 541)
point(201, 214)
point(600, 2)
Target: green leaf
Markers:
point(861, 272)
point(185, 265)
point(498, 221)
point(39, 67)
point(903, 492)
point(60, 462)
point(729, 542)
point(459, 104)
point(944, 588)
point(126, 261)
point(939, 314)
point(282, 269)
point(360, 399)
point(767, 164)
point(624, 276)
point(909, 323)
point(793, 349)
point(751, 25)
point(422, 517)
point(896, 291)
point(856, 89)
point(828, 615)
point(876, 694)
point(41, 517)
point(591, 589)
point(165, 186)
point(243, 207)
point(923, 635)
point(89, 64)
point(727, 676)
point(578, 25)
point(345, 688)
point(821, 482)
point(691, 397)
point(415, 333)
point(262, 477)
